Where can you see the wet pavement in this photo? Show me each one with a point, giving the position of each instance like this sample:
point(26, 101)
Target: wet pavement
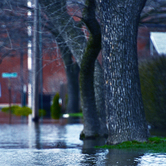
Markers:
point(58, 144)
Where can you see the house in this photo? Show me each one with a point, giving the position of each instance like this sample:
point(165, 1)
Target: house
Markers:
point(53, 76)
point(14, 45)
point(153, 21)
point(14, 57)
point(158, 43)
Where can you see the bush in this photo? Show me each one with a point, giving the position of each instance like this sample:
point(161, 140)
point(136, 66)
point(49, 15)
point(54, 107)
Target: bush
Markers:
point(13, 108)
point(55, 107)
point(42, 112)
point(23, 111)
point(18, 111)
point(153, 88)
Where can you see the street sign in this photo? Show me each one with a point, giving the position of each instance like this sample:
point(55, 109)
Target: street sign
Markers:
point(9, 75)
point(0, 89)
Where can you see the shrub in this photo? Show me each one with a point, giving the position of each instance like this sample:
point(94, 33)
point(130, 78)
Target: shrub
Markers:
point(22, 111)
point(13, 108)
point(153, 88)
point(42, 112)
point(18, 111)
point(55, 107)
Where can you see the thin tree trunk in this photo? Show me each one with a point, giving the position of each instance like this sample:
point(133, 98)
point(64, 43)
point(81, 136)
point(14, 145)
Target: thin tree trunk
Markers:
point(35, 67)
point(72, 72)
point(92, 122)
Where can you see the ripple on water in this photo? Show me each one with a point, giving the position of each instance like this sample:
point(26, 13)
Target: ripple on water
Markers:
point(59, 145)
point(32, 157)
point(152, 159)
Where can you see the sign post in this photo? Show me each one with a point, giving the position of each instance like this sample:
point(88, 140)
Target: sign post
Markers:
point(9, 76)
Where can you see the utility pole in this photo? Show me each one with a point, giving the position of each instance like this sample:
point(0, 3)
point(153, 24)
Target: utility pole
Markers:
point(41, 60)
point(36, 67)
point(29, 29)
point(21, 74)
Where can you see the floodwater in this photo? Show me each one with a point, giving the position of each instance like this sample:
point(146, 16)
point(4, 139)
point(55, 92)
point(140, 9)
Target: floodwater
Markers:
point(52, 144)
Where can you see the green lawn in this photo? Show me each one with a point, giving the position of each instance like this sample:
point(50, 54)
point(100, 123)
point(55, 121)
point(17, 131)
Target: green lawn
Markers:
point(76, 114)
point(154, 144)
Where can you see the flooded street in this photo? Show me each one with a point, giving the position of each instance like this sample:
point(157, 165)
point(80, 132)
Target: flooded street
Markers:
point(59, 145)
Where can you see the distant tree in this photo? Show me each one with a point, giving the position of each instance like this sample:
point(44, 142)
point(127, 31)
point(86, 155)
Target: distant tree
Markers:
point(71, 67)
point(124, 106)
point(13, 34)
point(13, 38)
point(72, 73)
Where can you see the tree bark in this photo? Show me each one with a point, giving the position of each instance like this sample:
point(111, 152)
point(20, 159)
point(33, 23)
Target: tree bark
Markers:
point(92, 126)
point(124, 106)
point(91, 120)
point(99, 97)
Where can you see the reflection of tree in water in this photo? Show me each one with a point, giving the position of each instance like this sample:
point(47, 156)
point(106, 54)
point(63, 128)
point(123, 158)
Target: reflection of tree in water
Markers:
point(118, 157)
point(73, 120)
point(37, 136)
point(60, 137)
point(89, 144)
point(49, 137)
point(60, 144)
point(91, 153)
point(122, 157)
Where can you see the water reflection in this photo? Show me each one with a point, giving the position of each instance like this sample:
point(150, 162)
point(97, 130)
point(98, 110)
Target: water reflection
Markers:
point(56, 144)
point(122, 157)
point(93, 156)
point(37, 136)
point(89, 144)
point(73, 120)
point(113, 157)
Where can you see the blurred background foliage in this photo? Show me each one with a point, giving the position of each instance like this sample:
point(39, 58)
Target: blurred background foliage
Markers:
point(22, 111)
point(153, 87)
point(18, 111)
point(56, 107)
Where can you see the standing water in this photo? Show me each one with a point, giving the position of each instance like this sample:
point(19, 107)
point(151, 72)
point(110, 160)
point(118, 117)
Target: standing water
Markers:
point(59, 145)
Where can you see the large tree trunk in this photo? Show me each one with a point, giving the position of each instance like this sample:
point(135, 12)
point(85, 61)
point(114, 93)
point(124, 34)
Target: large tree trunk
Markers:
point(124, 106)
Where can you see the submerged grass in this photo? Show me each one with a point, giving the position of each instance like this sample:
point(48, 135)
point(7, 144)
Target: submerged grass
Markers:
point(76, 114)
point(154, 145)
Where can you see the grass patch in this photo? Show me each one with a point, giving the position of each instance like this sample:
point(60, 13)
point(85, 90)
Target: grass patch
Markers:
point(76, 115)
point(154, 144)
